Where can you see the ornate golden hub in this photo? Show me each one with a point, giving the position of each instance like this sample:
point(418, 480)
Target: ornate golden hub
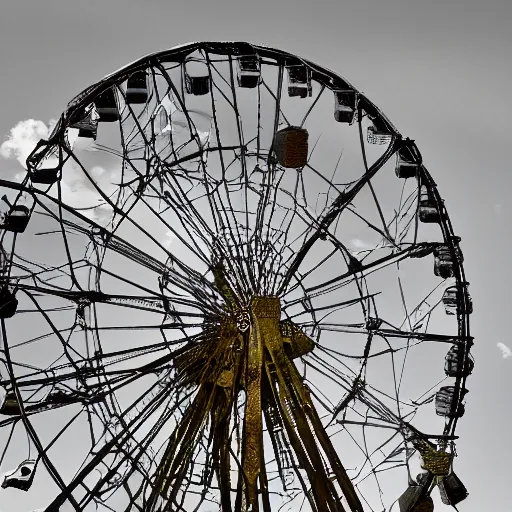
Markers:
point(252, 350)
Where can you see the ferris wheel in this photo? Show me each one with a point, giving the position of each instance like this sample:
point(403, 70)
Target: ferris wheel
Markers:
point(228, 283)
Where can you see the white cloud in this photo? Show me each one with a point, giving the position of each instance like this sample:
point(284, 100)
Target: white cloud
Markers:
point(179, 125)
point(357, 243)
point(169, 237)
point(497, 209)
point(360, 248)
point(77, 190)
point(505, 351)
point(23, 137)
point(363, 245)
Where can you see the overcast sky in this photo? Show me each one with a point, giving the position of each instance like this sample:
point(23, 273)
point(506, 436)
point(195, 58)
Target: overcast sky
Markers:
point(439, 70)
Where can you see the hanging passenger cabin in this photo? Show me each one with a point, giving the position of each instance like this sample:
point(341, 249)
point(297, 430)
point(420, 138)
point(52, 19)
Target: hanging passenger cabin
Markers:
point(106, 106)
point(427, 208)
point(46, 176)
point(9, 405)
point(378, 132)
point(344, 106)
point(436, 461)
point(452, 489)
point(59, 396)
point(248, 72)
point(137, 88)
point(443, 261)
point(84, 123)
point(373, 324)
point(407, 164)
point(444, 400)
point(22, 477)
point(413, 501)
point(290, 146)
point(451, 302)
point(8, 303)
point(455, 365)
point(299, 80)
point(89, 132)
point(16, 220)
point(44, 153)
point(198, 82)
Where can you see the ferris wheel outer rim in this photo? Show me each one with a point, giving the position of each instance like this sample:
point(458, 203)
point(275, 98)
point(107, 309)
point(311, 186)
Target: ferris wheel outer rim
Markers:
point(447, 230)
point(226, 48)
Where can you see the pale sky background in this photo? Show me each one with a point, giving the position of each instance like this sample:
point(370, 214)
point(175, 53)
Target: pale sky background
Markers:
point(439, 70)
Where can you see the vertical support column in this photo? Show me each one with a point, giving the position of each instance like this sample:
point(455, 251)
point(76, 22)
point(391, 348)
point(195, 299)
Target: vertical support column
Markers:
point(265, 315)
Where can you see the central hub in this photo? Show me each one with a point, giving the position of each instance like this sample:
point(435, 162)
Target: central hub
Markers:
point(266, 307)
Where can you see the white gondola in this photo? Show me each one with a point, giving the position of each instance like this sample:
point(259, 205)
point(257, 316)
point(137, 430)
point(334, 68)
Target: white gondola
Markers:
point(22, 477)
point(248, 72)
point(378, 132)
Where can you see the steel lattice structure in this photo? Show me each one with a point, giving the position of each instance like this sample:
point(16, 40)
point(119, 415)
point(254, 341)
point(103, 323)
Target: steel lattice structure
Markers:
point(229, 284)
